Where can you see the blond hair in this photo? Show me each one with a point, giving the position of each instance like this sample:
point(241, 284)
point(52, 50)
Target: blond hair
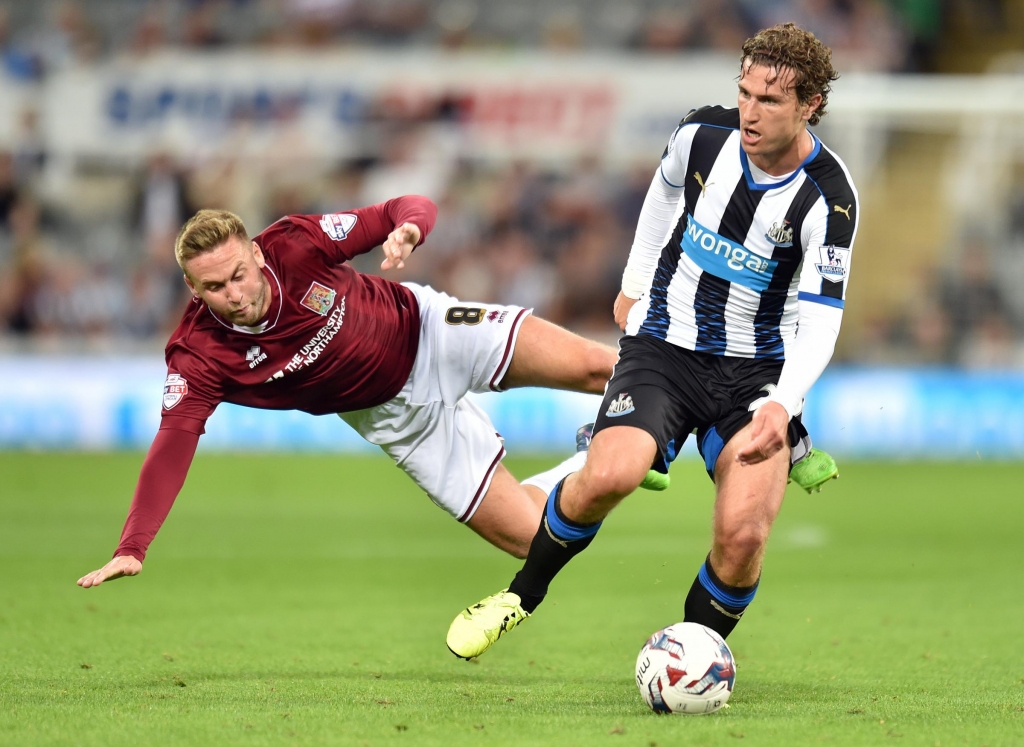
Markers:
point(205, 231)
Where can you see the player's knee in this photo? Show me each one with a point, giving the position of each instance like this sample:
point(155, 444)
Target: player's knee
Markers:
point(599, 360)
point(741, 543)
point(610, 482)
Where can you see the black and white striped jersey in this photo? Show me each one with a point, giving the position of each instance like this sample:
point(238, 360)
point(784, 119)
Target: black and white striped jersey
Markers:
point(743, 247)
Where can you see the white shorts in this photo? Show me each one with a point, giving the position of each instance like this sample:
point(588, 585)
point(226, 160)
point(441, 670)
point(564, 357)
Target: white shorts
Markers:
point(446, 443)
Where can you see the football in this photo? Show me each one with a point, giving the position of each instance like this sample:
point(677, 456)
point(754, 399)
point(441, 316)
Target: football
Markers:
point(685, 668)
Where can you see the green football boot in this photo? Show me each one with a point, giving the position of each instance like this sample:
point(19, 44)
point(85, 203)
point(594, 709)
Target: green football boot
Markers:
point(654, 480)
point(477, 628)
point(814, 470)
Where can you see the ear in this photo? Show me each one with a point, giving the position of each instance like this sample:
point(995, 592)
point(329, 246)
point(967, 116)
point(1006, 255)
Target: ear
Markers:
point(811, 106)
point(191, 287)
point(258, 254)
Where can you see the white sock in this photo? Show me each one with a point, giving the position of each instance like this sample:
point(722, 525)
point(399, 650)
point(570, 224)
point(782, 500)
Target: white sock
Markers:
point(546, 481)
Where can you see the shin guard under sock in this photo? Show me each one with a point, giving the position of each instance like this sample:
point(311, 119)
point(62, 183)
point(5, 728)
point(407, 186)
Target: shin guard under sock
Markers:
point(715, 604)
point(558, 540)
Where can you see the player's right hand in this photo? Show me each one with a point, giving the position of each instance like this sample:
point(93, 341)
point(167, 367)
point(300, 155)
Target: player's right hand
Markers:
point(623, 304)
point(399, 246)
point(122, 565)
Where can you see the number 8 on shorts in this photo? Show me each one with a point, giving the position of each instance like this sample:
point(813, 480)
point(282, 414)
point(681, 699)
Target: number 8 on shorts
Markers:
point(461, 315)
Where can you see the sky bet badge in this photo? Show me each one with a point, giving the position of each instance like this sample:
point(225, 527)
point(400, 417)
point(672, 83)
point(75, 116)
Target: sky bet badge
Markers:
point(318, 298)
point(175, 388)
point(337, 225)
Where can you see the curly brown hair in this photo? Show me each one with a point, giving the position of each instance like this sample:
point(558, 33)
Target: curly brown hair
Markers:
point(788, 45)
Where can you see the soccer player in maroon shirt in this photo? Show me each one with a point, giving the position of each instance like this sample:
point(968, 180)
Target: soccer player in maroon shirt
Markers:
point(282, 322)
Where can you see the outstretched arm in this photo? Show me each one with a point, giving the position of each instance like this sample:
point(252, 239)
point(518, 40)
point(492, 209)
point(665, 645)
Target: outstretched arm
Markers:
point(163, 474)
point(397, 222)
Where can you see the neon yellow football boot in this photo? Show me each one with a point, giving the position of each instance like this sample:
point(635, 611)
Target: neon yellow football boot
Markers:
point(476, 628)
point(814, 470)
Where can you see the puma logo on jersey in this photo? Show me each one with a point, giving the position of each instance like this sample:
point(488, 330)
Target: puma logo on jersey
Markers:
point(845, 211)
point(621, 406)
point(700, 181)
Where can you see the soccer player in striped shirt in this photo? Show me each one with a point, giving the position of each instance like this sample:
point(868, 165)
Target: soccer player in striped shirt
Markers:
point(731, 303)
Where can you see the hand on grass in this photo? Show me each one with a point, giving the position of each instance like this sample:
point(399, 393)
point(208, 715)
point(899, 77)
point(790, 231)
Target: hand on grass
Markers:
point(768, 435)
point(122, 565)
point(399, 246)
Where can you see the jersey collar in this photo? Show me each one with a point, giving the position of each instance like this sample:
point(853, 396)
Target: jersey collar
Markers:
point(273, 313)
point(751, 184)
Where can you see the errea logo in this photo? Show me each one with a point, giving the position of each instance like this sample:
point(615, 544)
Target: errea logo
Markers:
point(255, 356)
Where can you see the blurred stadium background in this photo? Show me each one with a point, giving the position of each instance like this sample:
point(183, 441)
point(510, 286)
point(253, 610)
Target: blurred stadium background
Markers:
point(536, 127)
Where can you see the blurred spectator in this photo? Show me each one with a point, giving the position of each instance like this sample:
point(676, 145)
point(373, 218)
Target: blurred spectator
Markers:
point(201, 28)
point(69, 39)
point(29, 154)
point(972, 298)
point(24, 288)
point(161, 205)
point(417, 159)
point(18, 62)
point(150, 33)
point(9, 191)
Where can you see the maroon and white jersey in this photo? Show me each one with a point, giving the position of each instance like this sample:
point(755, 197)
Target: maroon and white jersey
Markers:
point(333, 340)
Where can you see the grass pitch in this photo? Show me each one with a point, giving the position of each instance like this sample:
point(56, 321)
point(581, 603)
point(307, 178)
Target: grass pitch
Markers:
point(305, 600)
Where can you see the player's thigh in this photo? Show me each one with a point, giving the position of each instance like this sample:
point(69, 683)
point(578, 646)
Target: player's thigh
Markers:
point(452, 453)
point(508, 517)
point(747, 497)
point(547, 355)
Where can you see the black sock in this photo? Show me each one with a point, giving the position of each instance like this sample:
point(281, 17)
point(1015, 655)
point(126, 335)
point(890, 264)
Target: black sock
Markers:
point(558, 540)
point(715, 604)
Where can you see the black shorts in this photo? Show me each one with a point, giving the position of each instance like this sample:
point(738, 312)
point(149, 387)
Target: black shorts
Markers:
point(670, 392)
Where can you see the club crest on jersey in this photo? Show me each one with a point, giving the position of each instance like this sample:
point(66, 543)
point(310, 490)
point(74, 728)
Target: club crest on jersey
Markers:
point(175, 389)
point(623, 405)
point(318, 298)
point(338, 225)
point(834, 262)
point(780, 235)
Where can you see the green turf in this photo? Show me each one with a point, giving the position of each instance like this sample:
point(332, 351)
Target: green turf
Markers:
point(305, 600)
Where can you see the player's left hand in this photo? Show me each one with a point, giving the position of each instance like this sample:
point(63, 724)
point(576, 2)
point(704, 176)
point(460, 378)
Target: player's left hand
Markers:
point(399, 246)
point(119, 567)
point(767, 436)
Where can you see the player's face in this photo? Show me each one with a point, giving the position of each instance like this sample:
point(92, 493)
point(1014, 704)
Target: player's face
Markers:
point(230, 281)
point(771, 115)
